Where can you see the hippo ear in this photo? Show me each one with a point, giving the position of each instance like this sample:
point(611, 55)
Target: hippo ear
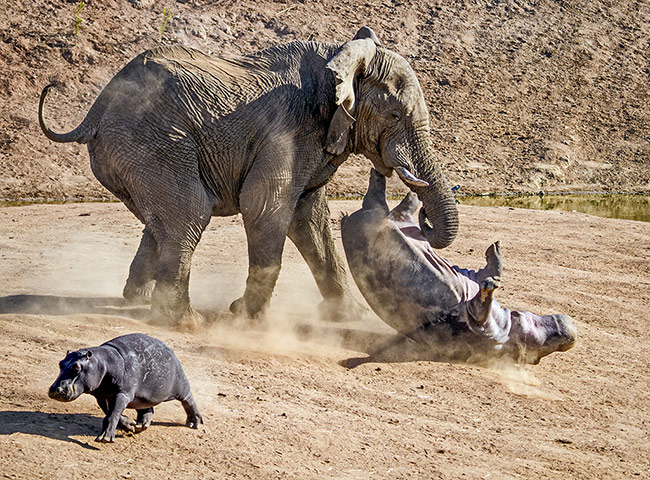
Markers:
point(68, 352)
point(89, 354)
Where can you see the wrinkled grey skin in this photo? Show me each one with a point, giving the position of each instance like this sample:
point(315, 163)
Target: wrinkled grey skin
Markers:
point(432, 302)
point(131, 371)
point(180, 136)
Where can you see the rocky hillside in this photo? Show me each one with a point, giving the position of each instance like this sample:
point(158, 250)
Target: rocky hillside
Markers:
point(523, 95)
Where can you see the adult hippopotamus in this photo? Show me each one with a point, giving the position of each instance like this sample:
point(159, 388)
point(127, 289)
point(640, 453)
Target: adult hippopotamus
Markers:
point(131, 371)
point(429, 300)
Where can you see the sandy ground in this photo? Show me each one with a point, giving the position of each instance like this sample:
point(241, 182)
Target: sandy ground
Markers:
point(276, 402)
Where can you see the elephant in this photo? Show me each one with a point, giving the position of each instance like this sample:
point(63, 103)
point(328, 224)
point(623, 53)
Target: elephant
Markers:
point(179, 136)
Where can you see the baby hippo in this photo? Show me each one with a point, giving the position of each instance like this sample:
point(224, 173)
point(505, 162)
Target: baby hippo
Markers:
point(449, 310)
point(131, 371)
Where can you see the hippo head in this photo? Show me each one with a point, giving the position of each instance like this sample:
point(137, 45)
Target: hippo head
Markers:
point(534, 336)
point(79, 373)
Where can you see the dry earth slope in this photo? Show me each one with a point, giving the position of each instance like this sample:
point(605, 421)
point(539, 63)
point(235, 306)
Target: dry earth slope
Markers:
point(523, 95)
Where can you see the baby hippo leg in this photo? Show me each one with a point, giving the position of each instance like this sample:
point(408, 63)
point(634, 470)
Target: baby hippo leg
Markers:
point(144, 419)
point(124, 423)
point(194, 418)
point(113, 418)
point(479, 307)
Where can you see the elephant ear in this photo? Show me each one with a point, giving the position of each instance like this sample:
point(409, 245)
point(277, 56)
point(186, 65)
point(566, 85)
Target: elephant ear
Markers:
point(351, 61)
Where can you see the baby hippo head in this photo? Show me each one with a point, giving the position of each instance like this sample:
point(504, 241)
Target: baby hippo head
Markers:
point(80, 373)
point(539, 336)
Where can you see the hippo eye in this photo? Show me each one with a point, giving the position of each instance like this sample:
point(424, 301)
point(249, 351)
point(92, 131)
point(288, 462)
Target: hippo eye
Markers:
point(76, 367)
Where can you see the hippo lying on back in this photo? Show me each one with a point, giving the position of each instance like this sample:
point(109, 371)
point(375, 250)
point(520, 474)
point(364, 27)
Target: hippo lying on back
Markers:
point(425, 298)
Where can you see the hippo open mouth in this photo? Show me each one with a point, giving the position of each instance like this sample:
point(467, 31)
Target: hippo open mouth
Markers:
point(429, 300)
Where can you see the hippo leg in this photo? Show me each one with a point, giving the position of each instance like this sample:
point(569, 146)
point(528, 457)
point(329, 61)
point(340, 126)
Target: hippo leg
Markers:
point(124, 423)
point(112, 419)
point(479, 307)
point(494, 266)
point(144, 419)
point(194, 418)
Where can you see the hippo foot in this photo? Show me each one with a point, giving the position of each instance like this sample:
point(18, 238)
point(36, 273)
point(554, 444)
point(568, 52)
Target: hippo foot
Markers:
point(490, 284)
point(127, 425)
point(138, 294)
point(494, 259)
point(106, 437)
point(144, 420)
point(194, 420)
point(341, 310)
point(141, 427)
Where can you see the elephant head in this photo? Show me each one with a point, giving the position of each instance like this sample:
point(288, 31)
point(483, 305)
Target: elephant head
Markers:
point(381, 113)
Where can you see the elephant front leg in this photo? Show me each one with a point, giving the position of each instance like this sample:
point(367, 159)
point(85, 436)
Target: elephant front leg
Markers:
point(176, 238)
point(170, 300)
point(311, 232)
point(265, 247)
point(142, 272)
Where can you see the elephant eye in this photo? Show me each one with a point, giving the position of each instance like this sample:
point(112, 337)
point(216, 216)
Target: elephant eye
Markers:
point(396, 115)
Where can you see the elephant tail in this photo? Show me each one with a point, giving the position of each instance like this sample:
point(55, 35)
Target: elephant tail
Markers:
point(81, 134)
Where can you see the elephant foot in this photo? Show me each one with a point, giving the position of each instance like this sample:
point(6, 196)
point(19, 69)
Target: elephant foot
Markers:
point(245, 307)
point(188, 319)
point(341, 310)
point(138, 294)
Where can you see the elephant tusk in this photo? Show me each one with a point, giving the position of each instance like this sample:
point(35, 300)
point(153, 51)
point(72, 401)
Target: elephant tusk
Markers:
point(410, 179)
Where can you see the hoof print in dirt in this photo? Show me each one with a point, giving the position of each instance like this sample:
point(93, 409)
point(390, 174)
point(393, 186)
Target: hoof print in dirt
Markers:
point(131, 371)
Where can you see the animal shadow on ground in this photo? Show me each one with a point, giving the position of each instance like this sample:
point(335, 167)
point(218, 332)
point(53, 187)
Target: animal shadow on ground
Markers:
point(59, 426)
point(379, 347)
point(55, 305)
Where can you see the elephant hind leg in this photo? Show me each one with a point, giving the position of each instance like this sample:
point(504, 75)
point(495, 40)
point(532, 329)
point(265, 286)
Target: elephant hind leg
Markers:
point(142, 273)
point(177, 232)
point(311, 232)
point(176, 208)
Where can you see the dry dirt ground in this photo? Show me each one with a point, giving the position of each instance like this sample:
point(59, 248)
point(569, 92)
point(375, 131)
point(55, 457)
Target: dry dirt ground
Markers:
point(276, 402)
point(524, 95)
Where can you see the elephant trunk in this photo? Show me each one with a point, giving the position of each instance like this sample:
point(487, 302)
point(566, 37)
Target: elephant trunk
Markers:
point(438, 215)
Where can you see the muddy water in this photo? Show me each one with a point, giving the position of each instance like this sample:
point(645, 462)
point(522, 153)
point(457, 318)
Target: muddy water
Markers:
point(630, 207)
